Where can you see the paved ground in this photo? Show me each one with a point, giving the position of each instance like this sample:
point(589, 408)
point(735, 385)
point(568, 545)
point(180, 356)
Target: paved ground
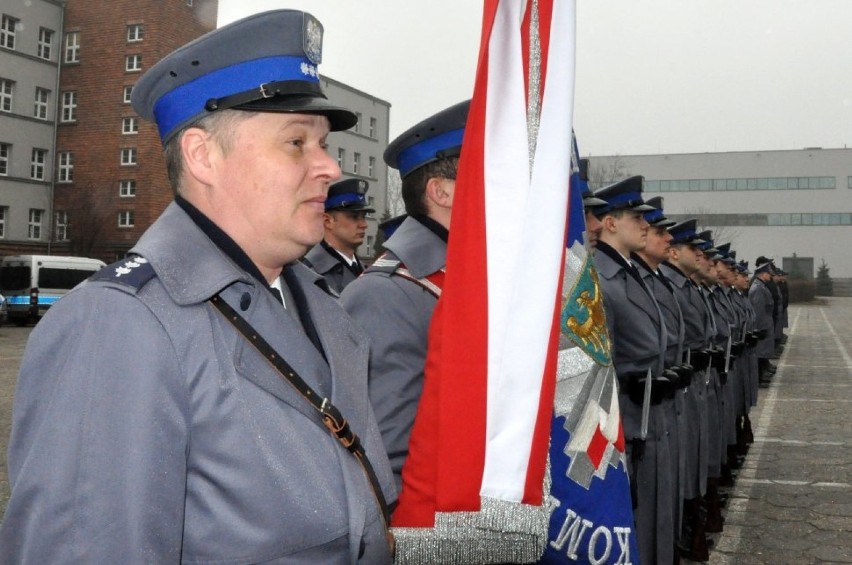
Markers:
point(792, 502)
point(12, 341)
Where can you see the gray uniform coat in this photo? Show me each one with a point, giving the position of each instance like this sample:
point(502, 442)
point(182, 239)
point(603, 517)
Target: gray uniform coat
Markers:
point(673, 408)
point(147, 430)
point(694, 408)
point(395, 313)
point(761, 299)
point(323, 259)
point(639, 342)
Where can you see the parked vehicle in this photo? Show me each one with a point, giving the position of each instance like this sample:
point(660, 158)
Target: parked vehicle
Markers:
point(2, 309)
point(32, 283)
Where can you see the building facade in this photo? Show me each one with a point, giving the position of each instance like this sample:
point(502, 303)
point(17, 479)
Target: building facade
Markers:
point(30, 39)
point(794, 205)
point(359, 150)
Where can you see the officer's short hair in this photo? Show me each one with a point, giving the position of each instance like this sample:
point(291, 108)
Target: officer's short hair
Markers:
point(219, 124)
point(414, 184)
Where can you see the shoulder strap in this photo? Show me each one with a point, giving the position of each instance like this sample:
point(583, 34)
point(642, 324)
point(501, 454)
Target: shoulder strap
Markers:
point(331, 416)
point(433, 283)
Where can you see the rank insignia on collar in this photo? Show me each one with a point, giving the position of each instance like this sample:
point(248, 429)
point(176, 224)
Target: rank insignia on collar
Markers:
point(313, 39)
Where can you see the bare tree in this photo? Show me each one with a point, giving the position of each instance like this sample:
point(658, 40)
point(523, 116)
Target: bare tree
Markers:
point(88, 217)
point(605, 171)
point(395, 204)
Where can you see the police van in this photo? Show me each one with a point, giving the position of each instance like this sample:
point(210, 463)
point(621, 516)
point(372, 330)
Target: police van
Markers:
point(32, 283)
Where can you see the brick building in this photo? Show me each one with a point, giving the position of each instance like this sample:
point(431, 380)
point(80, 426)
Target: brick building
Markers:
point(110, 180)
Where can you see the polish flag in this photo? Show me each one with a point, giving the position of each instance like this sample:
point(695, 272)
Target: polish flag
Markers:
point(483, 423)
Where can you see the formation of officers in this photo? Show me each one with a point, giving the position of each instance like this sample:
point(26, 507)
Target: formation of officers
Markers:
point(693, 332)
point(693, 340)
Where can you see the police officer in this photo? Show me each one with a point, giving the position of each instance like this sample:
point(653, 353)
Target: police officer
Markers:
point(152, 422)
point(394, 299)
point(638, 332)
point(345, 222)
point(683, 263)
point(707, 279)
point(764, 305)
point(648, 261)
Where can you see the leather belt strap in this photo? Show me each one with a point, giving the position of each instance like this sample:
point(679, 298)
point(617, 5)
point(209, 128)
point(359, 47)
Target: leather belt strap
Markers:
point(331, 416)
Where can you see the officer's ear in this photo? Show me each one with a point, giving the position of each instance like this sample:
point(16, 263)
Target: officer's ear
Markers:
point(327, 220)
point(609, 223)
point(197, 150)
point(439, 192)
point(674, 253)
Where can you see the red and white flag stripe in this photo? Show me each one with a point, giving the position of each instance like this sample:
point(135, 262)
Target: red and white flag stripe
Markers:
point(483, 423)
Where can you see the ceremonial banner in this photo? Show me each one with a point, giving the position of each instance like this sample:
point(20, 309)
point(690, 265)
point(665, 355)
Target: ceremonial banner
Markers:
point(474, 484)
point(593, 518)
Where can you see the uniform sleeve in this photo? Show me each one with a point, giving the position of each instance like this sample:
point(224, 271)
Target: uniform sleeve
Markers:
point(396, 322)
point(97, 456)
point(760, 303)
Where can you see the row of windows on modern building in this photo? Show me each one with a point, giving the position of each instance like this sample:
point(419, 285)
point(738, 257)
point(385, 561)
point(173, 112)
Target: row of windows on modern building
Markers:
point(36, 223)
point(760, 183)
point(784, 219)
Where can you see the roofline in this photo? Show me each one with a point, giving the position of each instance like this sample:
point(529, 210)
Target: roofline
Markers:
point(353, 89)
point(756, 151)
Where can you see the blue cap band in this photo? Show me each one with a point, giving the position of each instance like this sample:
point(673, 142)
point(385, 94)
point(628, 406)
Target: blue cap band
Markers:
point(683, 236)
point(344, 200)
point(188, 100)
point(653, 215)
point(425, 151)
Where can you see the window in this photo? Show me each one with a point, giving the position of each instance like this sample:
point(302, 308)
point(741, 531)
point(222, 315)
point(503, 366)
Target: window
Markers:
point(127, 188)
point(4, 213)
point(133, 63)
point(45, 43)
point(134, 32)
point(8, 26)
point(5, 153)
point(72, 47)
point(373, 127)
point(6, 87)
point(37, 164)
point(371, 167)
point(69, 106)
point(128, 156)
point(61, 226)
point(359, 119)
point(66, 167)
point(125, 219)
point(34, 224)
point(128, 92)
point(341, 157)
point(356, 163)
point(129, 126)
point(42, 95)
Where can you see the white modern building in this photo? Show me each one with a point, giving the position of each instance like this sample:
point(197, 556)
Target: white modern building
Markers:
point(794, 206)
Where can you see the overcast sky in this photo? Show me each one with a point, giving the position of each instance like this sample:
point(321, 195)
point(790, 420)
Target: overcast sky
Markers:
point(653, 76)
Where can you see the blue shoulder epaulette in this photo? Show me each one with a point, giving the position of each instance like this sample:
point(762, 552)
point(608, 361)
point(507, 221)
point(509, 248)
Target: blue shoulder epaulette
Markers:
point(133, 271)
point(384, 264)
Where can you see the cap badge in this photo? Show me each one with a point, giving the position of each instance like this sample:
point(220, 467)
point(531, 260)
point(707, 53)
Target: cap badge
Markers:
point(313, 39)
